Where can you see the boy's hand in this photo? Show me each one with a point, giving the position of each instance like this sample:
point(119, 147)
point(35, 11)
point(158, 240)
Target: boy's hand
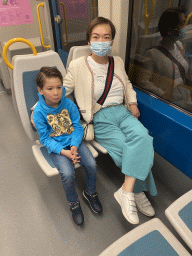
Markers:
point(32, 119)
point(75, 154)
point(68, 154)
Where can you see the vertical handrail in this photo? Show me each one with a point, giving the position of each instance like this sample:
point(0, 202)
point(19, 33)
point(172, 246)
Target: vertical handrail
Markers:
point(170, 3)
point(187, 19)
point(40, 26)
point(148, 16)
point(65, 18)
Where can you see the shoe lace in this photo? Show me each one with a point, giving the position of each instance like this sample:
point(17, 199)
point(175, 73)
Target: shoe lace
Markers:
point(75, 206)
point(94, 197)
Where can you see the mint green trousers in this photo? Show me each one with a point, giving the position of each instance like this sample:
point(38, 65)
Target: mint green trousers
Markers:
point(128, 143)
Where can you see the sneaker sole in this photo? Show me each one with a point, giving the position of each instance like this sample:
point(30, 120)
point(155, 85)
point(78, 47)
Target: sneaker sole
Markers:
point(144, 213)
point(89, 203)
point(117, 197)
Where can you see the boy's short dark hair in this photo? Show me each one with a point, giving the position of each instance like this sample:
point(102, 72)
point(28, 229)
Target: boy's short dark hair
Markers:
point(97, 21)
point(47, 72)
point(169, 19)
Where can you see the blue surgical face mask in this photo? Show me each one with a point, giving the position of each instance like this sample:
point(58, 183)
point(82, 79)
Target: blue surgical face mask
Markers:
point(100, 48)
point(182, 33)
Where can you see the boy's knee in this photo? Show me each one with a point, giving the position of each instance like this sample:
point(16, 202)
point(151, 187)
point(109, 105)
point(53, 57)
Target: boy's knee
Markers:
point(91, 164)
point(67, 176)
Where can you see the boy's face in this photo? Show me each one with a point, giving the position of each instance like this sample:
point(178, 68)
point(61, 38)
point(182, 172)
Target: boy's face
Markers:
point(52, 91)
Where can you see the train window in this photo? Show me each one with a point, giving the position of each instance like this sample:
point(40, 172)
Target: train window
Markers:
point(159, 55)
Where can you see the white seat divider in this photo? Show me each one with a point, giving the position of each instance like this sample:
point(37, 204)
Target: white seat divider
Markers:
point(179, 213)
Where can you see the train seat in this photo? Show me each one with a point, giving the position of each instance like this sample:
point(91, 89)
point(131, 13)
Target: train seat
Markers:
point(179, 214)
point(146, 42)
point(74, 53)
point(4, 73)
point(25, 96)
point(150, 238)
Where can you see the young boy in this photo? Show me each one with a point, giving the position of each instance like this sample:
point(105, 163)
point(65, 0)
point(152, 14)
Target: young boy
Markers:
point(58, 124)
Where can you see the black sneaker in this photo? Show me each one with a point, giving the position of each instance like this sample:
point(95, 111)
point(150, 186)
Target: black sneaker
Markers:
point(77, 213)
point(94, 202)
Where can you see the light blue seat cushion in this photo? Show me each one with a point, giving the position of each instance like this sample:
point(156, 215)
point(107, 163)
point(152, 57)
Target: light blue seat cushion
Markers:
point(186, 215)
point(47, 156)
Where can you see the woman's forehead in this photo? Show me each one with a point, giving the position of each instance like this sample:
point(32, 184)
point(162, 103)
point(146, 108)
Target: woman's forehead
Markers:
point(102, 29)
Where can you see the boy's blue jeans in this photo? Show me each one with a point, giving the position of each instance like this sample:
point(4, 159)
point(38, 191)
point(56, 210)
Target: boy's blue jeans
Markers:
point(66, 170)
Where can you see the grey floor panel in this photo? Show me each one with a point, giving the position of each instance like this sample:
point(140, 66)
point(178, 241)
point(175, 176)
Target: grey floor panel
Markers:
point(35, 219)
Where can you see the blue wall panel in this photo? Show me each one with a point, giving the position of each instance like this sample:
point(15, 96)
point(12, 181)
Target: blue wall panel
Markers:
point(171, 130)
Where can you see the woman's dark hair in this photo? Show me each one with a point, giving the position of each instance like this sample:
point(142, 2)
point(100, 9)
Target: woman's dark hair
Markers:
point(97, 21)
point(169, 20)
point(47, 72)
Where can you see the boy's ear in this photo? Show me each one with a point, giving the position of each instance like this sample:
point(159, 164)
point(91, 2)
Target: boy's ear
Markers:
point(40, 90)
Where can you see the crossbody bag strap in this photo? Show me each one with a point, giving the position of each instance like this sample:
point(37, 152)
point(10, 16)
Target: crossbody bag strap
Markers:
point(169, 55)
point(108, 83)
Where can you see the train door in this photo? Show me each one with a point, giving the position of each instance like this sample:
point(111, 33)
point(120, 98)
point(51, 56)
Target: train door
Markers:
point(70, 19)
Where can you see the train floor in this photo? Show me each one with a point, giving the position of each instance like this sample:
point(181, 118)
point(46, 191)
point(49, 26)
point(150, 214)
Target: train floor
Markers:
point(35, 219)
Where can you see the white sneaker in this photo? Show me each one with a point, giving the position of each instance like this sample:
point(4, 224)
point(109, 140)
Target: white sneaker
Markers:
point(143, 204)
point(128, 206)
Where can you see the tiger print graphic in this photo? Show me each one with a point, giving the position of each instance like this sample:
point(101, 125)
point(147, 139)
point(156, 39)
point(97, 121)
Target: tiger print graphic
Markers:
point(60, 123)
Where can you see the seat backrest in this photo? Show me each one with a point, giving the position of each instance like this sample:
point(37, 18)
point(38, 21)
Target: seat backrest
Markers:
point(79, 51)
point(24, 85)
point(76, 52)
point(146, 42)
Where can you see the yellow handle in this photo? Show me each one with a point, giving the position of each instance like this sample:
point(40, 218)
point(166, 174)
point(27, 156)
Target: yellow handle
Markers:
point(148, 17)
point(66, 29)
point(14, 40)
point(187, 20)
point(40, 26)
point(170, 3)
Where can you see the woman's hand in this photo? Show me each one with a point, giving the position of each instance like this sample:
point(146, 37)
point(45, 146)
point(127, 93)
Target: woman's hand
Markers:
point(134, 110)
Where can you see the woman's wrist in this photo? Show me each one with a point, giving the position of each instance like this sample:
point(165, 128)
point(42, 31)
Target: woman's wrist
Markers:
point(133, 103)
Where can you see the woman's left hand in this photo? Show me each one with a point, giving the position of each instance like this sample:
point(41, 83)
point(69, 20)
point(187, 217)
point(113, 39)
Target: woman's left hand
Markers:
point(134, 110)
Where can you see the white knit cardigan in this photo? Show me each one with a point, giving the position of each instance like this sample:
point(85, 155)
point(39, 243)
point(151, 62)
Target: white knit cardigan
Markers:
point(80, 81)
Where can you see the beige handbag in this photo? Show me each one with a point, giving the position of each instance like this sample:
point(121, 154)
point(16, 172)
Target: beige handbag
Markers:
point(88, 131)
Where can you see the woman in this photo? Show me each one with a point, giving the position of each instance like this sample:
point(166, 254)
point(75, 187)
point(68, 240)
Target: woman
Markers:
point(161, 73)
point(116, 128)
